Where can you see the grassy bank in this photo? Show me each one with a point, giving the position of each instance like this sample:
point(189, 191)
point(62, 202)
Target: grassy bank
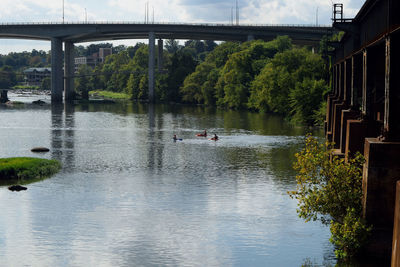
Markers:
point(26, 87)
point(24, 169)
point(109, 95)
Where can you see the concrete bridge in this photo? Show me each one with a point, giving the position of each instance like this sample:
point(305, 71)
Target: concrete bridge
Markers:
point(70, 33)
point(363, 113)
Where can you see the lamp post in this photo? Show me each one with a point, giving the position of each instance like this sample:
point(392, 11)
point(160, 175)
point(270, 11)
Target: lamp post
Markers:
point(63, 10)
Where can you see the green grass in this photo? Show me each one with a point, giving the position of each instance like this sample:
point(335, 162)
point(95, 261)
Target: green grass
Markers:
point(109, 95)
point(32, 87)
point(26, 170)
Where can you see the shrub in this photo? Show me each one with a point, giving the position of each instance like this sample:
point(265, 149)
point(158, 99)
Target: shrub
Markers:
point(330, 189)
point(24, 168)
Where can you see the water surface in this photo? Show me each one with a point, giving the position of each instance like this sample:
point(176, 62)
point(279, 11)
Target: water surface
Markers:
point(129, 196)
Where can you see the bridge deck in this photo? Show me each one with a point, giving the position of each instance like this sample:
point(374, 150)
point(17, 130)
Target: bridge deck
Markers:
point(84, 32)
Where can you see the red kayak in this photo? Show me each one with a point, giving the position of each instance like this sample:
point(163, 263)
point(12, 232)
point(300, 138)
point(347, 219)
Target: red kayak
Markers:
point(202, 135)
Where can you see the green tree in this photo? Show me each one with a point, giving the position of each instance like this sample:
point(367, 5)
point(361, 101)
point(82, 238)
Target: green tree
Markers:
point(305, 100)
point(7, 77)
point(96, 79)
point(182, 64)
point(115, 77)
point(330, 189)
point(83, 85)
point(199, 87)
point(192, 85)
point(46, 83)
point(241, 68)
point(172, 46)
point(138, 69)
point(281, 87)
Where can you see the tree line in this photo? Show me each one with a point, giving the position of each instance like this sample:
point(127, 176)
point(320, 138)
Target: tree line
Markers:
point(273, 76)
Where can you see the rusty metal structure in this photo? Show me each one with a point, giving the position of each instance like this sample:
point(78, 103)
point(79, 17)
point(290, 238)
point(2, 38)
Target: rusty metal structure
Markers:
point(363, 110)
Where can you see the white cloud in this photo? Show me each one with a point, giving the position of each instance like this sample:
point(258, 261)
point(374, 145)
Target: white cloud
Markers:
point(191, 11)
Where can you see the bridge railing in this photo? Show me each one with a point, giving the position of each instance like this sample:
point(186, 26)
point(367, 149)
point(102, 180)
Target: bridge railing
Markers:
point(160, 23)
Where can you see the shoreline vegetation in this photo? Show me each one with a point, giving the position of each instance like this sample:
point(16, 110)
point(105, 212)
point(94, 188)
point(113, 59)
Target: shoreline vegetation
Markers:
point(329, 189)
point(109, 95)
point(268, 77)
point(26, 170)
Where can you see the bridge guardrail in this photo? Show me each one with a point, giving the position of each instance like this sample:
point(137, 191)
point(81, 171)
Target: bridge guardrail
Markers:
point(160, 23)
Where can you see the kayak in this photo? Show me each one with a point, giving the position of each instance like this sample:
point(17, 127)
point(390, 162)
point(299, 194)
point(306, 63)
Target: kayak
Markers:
point(178, 139)
point(213, 139)
point(202, 135)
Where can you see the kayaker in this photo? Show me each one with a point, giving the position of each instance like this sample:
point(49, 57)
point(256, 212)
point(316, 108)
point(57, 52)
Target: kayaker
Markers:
point(204, 134)
point(176, 138)
point(215, 138)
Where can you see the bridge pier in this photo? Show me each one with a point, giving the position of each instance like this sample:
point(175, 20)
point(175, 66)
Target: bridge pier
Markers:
point(160, 55)
point(151, 66)
point(69, 69)
point(382, 168)
point(347, 111)
point(338, 106)
point(332, 99)
point(3, 96)
point(56, 70)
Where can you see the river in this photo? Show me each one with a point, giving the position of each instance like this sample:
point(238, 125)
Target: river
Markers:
point(128, 195)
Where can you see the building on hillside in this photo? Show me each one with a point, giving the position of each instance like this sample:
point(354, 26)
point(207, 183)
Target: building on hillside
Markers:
point(103, 53)
point(90, 61)
point(94, 59)
point(35, 76)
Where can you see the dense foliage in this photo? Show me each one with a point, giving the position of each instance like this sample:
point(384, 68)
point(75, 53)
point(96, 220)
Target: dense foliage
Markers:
point(24, 168)
point(262, 76)
point(330, 189)
point(273, 76)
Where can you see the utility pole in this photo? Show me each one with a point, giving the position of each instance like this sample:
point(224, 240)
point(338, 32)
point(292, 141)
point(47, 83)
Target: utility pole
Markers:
point(146, 12)
point(237, 13)
point(63, 10)
point(231, 15)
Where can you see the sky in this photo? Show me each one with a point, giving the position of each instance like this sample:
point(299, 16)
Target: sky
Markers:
point(181, 11)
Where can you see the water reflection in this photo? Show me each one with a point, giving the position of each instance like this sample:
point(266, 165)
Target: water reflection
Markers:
point(128, 195)
point(62, 134)
point(155, 148)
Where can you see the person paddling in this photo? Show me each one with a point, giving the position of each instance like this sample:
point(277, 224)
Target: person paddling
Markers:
point(176, 138)
point(204, 134)
point(215, 138)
